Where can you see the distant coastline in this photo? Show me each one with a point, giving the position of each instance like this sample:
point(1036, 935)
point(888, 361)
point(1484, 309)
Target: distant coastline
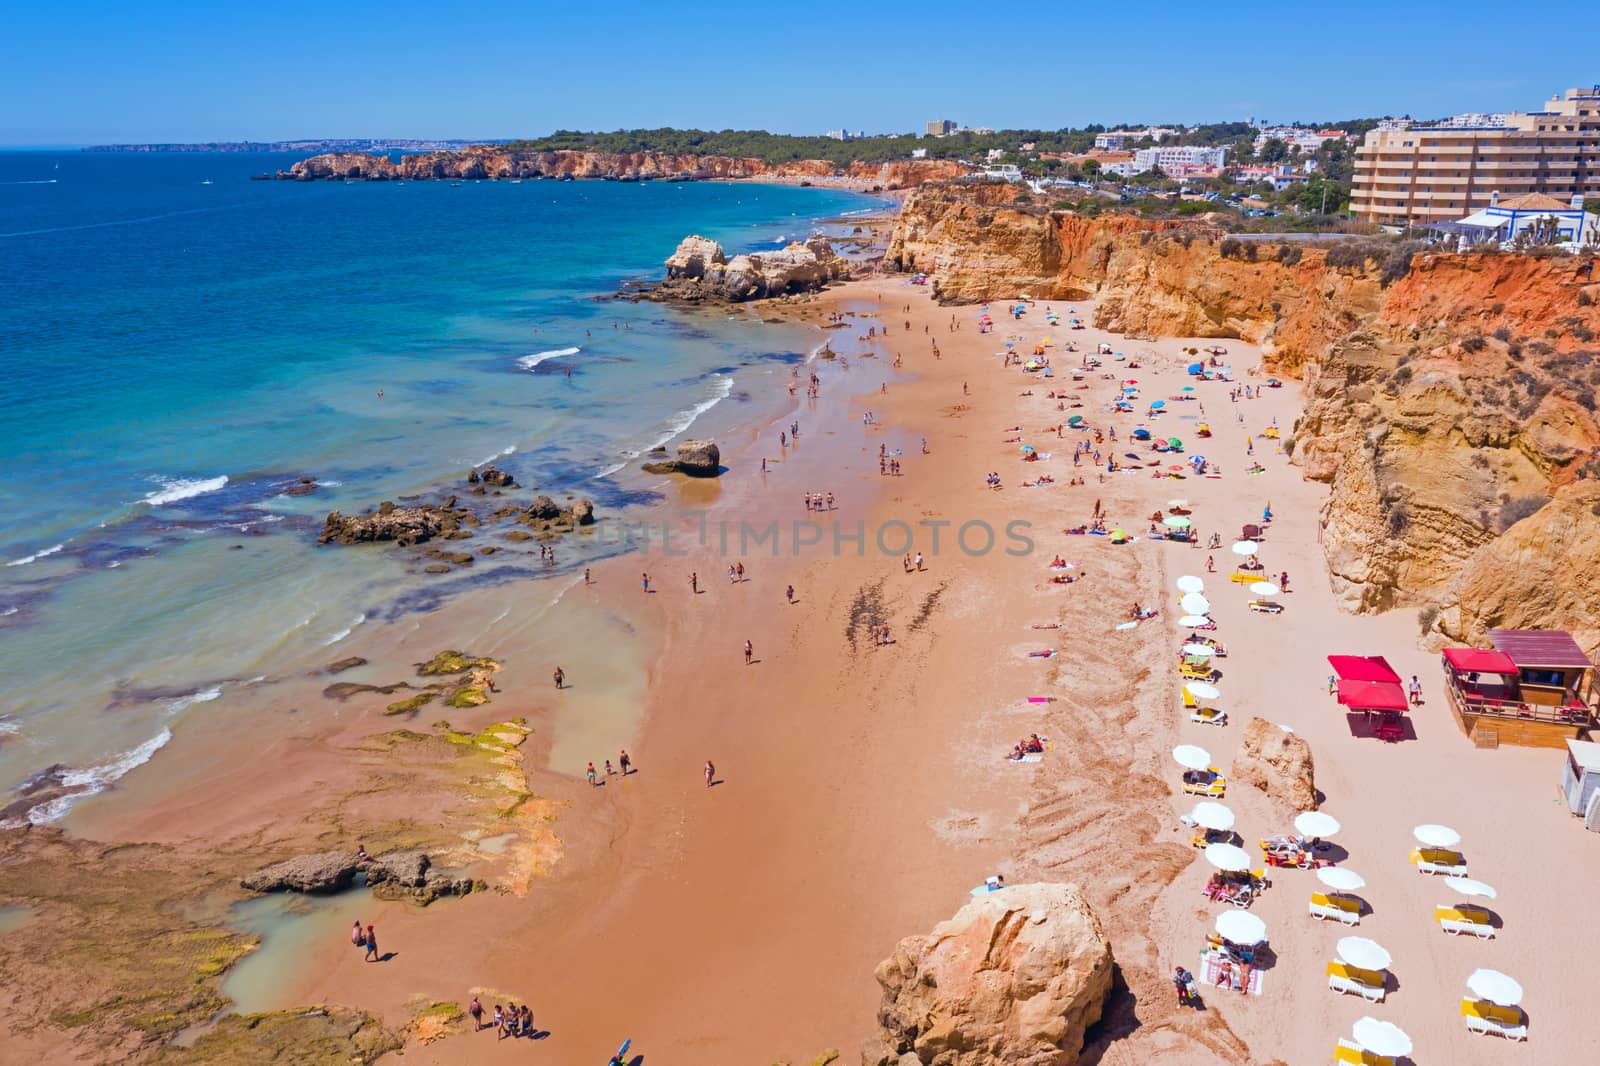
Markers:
point(336, 144)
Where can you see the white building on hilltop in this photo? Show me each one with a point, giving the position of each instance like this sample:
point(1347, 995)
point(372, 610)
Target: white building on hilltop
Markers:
point(1178, 157)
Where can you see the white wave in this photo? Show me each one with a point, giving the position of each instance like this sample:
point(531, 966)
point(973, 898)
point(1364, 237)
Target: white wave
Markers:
point(113, 564)
point(205, 695)
point(94, 779)
point(345, 632)
point(330, 484)
point(34, 181)
point(26, 559)
point(9, 611)
point(679, 423)
point(528, 362)
point(174, 489)
point(9, 728)
point(501, 454)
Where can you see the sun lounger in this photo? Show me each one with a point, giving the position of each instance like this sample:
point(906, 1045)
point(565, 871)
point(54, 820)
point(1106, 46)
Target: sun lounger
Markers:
point(1194, 673)
point(1349, 1051)
point(1464, 921)
point(1439, 861)
point(1209, 716)
point(1341, 909)
point(1189, 702)
point(1488, 1019)
point(1214, 787)
point(1352, 980)
point(1242, 577)
point(1266, 607)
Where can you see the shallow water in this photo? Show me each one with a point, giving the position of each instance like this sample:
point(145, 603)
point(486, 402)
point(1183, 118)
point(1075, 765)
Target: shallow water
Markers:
point(14, 918)
point(293, 928)
point(186, 353)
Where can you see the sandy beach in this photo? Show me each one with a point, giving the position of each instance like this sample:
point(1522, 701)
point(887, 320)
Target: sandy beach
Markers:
point(861, 788)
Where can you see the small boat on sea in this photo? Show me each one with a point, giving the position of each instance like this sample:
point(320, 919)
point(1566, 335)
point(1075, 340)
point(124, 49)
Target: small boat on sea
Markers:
point(205, 181)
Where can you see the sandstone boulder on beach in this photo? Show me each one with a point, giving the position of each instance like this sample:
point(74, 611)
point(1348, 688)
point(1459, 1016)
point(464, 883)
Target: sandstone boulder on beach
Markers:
point(699, 458)
point(1277, 762)
point(1016, 976)
point(699, 269)
point(411, 875)
point(328, 871)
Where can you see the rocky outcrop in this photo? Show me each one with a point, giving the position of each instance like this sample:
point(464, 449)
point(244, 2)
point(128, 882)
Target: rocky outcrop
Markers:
point(411, 875)
point(401, 525)
point(328, 871)
point(492, 477)
point(491, 162)
point(545, 515)
point(699, 270)
point(1450, 397)
point(696, 458)
point(1277, 762)
point(1016, 976)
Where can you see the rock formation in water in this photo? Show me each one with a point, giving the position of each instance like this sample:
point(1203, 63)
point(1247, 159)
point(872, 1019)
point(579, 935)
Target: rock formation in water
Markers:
point(1277, 762)
point(699, 270)
point(1451, 398)
point(489, 162)
point(328, 871)
point(1016, 976)
point(401, 525)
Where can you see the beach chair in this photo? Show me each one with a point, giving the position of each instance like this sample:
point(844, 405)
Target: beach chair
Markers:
point(1352, 980)
point(1209, 716)
point(1189, 701)
point(1214, 788)
point(1243, 578)
point(1349, 1051)
point(1340, 909)
point(1439, 861)
point(1464, 921)
point(1489, 1019)
point(1190, 672)
point(1266, 607)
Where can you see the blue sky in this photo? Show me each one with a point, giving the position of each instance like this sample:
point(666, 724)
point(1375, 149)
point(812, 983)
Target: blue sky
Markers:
point(81, 71)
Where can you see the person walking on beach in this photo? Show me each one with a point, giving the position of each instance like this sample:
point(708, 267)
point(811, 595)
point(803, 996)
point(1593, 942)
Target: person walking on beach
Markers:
point(476, 1010)
point(1416, 690)
point(372, 945)
point(749, 651)
point(625, 762)
point(358, 936)
point(1211, 564)
point(609, 770)
point(561, 677)
point(594, 779)
point(586, 579)
point(738, 568)
point(711, 772)
point(731, 578)
point(499, 1018)
point(646, 579)
point(919, 562)
point(790, 594)
point(694, 582)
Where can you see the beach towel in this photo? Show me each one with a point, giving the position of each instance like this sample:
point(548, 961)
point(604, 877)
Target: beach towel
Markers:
point(1044, 654)
point(1211, 965)
point(1034, 757)
point(1041, 699)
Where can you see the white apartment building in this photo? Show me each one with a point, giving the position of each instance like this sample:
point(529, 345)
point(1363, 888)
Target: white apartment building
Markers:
point(1176, 157)
point(1117, 140)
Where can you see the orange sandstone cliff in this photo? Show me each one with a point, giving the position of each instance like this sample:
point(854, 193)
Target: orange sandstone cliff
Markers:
point(1451, 398)
point(489, 162)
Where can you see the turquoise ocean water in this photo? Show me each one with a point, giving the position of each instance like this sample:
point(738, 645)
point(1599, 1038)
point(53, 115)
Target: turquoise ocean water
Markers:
point(180, 344)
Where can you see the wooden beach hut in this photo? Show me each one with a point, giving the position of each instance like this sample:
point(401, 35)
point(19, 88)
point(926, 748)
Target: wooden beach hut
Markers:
point(1535, 688)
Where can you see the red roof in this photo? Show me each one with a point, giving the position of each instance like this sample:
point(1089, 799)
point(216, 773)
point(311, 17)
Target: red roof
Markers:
point(1363, 668)
point(1372, 695)
point(1539, 647)
point(1480, 661)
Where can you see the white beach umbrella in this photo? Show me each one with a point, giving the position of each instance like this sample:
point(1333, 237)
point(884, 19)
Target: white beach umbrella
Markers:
point(1359, 951)
point(1264, 588)
point(1245, 547)
point(1495, 987)
point(1340, 879)
point(1191, 583)
point(1200, 690)
point(1315, 824)
point(1436, 836)
point(1466, 886)
point(1229, 857)
point(1192, 757)
point(1177, 521)
point(1193, 620)
point(1381, 1038)
point(1194, 603)
point(1199, 651)
point(1210, 815)
point(1241, 927)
